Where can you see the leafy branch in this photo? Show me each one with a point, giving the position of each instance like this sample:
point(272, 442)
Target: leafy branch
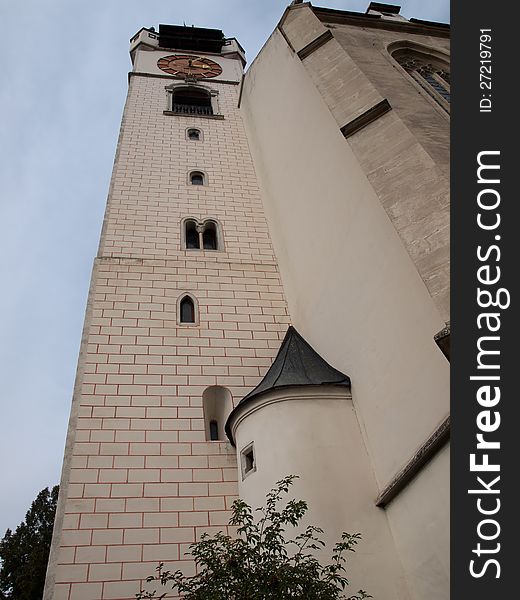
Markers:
point(260, 563)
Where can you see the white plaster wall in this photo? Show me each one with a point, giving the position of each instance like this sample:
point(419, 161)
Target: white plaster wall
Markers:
point(426, 504)
point(314, 433)
point(352, 289)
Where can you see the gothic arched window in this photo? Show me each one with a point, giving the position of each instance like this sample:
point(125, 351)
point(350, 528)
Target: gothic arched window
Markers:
point(187, 310)
point(209, 236)
point(192, 236)
point(430, 70)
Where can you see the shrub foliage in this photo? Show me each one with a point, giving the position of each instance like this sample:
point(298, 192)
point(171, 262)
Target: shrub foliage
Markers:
point(260, 563)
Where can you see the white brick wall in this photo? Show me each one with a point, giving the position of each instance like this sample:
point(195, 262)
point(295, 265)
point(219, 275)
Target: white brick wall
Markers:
point(143, 480)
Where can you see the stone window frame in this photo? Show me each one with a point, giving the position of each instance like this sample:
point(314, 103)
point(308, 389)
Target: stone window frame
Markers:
point(201, 134)
point(243, 460)
point(200, 224)
point(195, 85)
point(205, 179)
point(432, 58)
point(196, 310)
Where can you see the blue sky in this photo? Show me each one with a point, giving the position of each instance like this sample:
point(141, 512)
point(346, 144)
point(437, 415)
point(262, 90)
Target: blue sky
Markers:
point(63, 86)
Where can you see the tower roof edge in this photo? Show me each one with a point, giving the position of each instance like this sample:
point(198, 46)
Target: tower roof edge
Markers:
point(296, 364)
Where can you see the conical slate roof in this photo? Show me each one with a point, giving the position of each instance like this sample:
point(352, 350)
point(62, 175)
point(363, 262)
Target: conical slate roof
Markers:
point(296, 364)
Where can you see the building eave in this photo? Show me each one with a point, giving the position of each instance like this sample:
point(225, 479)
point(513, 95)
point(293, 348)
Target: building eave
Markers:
point(416, 26)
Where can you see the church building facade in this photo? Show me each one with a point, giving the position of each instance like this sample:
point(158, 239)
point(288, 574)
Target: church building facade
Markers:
point(270, 297)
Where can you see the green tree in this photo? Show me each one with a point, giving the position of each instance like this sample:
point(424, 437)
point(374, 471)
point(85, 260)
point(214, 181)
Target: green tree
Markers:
point(25, 552)
point(260, 563)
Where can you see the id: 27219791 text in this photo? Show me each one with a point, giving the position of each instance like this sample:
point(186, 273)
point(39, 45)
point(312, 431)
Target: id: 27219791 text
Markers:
point(486, 82)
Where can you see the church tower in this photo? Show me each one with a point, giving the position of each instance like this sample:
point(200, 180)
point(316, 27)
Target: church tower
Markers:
point(270, 297)
point(185, 312)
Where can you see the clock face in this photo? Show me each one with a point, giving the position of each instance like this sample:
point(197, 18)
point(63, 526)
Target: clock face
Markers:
point(186, 65)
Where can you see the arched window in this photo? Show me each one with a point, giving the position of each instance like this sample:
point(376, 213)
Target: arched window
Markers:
point(191, 101)
point(209, 236)
point(187, 310)
point(217, 403)
point(194, 134)
point(192, 235)
point(197, 178)
point(202, 234)
point(430, 70)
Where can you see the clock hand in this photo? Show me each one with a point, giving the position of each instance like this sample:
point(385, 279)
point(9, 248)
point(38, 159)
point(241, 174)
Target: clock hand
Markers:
point(200, 65)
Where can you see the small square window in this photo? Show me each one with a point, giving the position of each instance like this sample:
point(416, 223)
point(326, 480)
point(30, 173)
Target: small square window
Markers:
point(247, 460)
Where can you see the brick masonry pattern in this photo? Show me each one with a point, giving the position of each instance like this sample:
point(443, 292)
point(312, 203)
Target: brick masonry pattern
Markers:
point(143, 481)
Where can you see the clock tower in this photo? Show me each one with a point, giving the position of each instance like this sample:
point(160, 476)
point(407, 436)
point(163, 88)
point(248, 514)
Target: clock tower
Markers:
point(185, 313)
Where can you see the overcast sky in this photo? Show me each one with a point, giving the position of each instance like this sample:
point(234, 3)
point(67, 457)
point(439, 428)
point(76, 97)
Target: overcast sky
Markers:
point(62, 90)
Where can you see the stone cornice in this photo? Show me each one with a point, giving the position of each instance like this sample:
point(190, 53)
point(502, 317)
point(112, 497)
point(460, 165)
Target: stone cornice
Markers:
point(366, 118)
point(174, 78)
point(329, 15)
point(424, 454)
point(315, 44)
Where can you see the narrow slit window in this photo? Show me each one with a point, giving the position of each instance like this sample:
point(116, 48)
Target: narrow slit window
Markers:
point(213, 431)
point(187, 308)
point(196, 178)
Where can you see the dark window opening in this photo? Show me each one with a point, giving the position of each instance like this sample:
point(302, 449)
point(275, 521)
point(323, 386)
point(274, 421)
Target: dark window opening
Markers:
point(192, 236)
point(209, 237)
point(191, 101)
point(194, 134)
point(248, 460)
point(197, 178)
point(187, 310)
point(213, 431)
point(201, 234)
